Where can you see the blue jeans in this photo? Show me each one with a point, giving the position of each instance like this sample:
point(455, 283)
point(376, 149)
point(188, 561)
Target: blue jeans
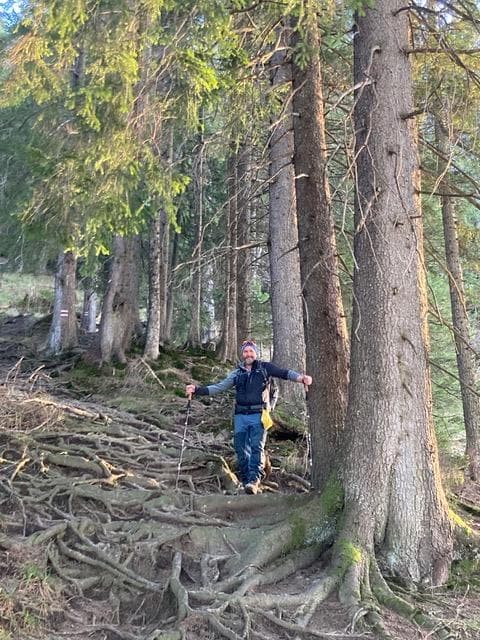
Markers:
point(249, 438)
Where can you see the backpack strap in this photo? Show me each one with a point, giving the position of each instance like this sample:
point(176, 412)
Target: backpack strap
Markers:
point(266, 385)
point(262, 369)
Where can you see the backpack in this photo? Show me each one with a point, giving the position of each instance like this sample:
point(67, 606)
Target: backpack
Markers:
point(270, 389)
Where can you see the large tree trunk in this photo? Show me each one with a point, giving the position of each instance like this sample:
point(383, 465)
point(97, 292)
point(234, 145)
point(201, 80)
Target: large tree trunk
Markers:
point(286, 297)
point(243, 235)
point(229, 345)
point(394, 498)
point(120, 304)
point(324, 320)
point(465, 355)
point(63, 330)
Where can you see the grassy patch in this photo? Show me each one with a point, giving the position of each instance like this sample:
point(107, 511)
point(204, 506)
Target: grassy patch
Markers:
point(465, 572)
point(25, 293)
point(28, 594)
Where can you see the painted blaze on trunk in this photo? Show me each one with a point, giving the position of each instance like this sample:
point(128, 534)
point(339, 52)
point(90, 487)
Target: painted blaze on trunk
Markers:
point(394, 497)
point(63, 330)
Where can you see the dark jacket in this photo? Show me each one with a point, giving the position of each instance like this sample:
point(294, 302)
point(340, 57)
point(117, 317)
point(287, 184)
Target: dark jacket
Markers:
point(249, 385)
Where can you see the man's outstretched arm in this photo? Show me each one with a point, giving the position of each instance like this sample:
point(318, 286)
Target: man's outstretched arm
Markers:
point(212, 389)
point(287, 374)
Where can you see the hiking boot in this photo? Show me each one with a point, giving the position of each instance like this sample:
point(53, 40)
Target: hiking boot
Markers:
point(252, 487)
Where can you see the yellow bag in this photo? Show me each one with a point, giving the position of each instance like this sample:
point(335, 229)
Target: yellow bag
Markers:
point(266, 419)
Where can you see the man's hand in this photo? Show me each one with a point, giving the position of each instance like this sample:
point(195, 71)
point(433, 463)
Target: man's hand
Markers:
point(190, 390)
point(305, 380)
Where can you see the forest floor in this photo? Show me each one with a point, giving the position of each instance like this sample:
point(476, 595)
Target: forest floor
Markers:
point(108, 489)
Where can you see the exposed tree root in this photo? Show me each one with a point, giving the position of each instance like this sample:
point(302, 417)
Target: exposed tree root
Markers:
point(388, 598)
point(468, 506)
point(95, 497)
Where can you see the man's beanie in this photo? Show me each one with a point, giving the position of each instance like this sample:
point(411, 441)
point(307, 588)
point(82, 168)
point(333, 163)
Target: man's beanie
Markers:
point(249, 343)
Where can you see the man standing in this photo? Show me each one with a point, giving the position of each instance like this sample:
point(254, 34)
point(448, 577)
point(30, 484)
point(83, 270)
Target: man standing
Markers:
point(250, 380)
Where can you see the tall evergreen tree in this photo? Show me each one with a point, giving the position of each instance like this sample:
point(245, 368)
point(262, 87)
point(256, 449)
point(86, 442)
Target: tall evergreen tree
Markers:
point(286, 299)
point(466, 357)
point(229, 344)
point(395, 505)
point(244, 272)
point(324, 318)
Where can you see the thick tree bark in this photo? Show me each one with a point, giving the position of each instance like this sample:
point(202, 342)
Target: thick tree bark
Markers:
point(229, 345)
point(63, 330)
point(120, 304)
point(395, 503)
point(243, 260)
point(465, 355)
point(286, 300)
point(324, 320)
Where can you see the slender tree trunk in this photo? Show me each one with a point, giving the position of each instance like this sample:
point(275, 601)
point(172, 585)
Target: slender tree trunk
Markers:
point(157, 284)
point(89, 311)
point(165, 257)
point(120, 304)
point(158, 249)
point(243, 255)
point(324, 320)
point(210, 336)
point(63, 329)
point(465, 355)
point(195, 338)
point(229, 345)
point(154, 320)
point(171, 289)
point(286, 300)
point(164, 273)
point(395, 504)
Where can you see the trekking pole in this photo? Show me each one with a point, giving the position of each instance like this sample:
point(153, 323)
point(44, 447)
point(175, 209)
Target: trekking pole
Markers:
point(308, 457)
point(184, 438)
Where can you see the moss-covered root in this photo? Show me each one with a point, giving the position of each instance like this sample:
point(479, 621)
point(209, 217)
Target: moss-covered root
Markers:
point(351, 564)
point(285, 567)
point(309, 530)
point(385, 596)
point(361, 589)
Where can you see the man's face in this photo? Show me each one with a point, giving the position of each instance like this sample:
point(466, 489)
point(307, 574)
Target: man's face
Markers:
point(249, 355)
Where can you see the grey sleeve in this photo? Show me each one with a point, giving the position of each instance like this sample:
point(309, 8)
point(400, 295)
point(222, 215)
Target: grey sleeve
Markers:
point(294, 375)
point(218, 387)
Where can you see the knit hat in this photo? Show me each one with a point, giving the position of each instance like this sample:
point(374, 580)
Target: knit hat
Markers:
point(251, 344)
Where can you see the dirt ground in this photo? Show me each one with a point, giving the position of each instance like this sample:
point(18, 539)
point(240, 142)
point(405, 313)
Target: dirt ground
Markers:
point(108, 488)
